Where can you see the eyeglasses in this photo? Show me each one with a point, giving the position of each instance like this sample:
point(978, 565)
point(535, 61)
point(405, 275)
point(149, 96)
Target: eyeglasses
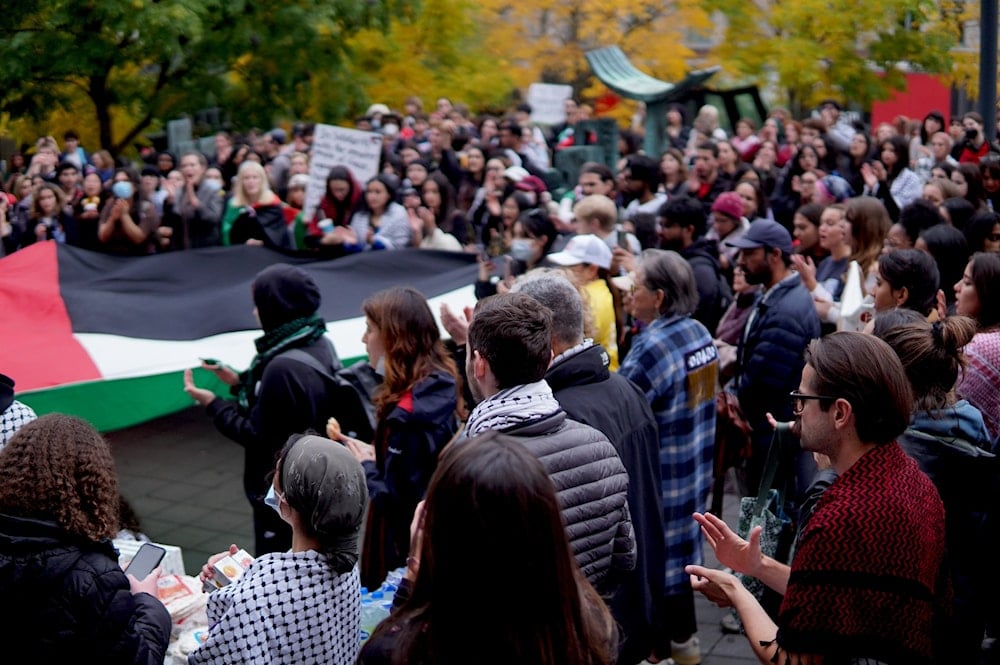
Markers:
point(798, 401)
point(636, 285)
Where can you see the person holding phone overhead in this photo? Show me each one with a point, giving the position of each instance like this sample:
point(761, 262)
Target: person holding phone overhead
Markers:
point(65, 600)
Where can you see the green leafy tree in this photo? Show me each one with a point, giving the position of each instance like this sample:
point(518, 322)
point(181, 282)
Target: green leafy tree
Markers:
point(154, 59)
point(857, 51)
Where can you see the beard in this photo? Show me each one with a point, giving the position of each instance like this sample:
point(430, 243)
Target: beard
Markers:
point(761, 275)
point(672, 244)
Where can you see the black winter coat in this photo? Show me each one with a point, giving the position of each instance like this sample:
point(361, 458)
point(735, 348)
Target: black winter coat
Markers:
point(616, 407)
point(65, 600)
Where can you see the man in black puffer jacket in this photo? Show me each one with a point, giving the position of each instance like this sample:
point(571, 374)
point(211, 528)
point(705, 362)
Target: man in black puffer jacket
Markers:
point(612, 404)
point(509, 349)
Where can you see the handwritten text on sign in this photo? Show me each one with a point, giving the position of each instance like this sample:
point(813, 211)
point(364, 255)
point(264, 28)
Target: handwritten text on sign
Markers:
point(338, 146)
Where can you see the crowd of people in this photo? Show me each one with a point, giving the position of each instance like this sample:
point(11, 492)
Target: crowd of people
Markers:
point(635, 336)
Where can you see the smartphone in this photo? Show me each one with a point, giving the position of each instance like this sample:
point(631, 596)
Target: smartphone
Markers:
point(145, 561)
point(211, 361)
point(623, 239)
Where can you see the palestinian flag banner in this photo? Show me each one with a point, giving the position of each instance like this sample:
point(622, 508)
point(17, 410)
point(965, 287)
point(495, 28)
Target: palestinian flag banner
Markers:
point(107, 338)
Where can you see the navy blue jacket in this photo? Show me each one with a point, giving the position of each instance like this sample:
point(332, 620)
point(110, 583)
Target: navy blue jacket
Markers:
point(770, 355)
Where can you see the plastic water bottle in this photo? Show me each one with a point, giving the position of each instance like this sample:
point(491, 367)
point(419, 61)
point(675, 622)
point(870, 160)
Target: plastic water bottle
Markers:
point(374, 609)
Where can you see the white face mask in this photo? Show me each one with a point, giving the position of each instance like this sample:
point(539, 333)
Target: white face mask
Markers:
point(380, 366)
point(522, 249)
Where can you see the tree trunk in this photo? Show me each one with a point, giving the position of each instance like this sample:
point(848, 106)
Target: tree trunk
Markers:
point(98, 93)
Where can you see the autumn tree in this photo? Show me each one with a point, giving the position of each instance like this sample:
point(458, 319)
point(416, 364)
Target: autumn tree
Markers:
point(438, 50)
point(154, 59)
point(546, 40)
point(856, 51)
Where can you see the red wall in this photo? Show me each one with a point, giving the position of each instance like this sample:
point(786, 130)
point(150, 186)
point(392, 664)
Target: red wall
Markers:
point(923, 93)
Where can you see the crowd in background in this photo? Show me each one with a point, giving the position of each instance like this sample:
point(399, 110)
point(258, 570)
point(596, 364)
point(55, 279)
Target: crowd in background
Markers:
point(774, 236)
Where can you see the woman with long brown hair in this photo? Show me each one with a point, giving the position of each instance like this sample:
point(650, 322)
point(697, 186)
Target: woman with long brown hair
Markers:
point(492, 510)
point(416, 408)
point(978, 297)
point(870, 224)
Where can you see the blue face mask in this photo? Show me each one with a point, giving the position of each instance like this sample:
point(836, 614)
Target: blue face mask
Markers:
point(122, 189)
point(271, 499)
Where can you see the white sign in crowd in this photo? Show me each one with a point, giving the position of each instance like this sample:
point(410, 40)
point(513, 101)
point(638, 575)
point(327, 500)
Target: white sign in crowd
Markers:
point(338, 146)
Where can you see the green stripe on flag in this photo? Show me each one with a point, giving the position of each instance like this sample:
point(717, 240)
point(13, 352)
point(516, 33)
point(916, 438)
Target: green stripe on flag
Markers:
point(121, 403)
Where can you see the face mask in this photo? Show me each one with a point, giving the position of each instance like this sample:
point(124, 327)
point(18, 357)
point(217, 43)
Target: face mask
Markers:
point(522, 249)
point(122, 189)
point(213, 185)
point(271, 499)
point(380, 366)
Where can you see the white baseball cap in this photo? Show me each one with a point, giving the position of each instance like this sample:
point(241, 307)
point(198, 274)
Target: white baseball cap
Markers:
point(584, 249)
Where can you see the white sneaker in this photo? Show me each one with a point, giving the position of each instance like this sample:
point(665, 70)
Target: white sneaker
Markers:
point(686, 653)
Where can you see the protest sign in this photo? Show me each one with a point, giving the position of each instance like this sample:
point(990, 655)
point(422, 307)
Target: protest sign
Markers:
point(338, 146)
point(546, 101)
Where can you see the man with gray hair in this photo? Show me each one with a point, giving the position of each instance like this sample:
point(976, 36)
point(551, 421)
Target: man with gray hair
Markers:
point(591, 394)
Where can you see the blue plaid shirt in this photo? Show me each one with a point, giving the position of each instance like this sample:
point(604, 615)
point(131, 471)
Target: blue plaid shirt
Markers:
point(676, 365)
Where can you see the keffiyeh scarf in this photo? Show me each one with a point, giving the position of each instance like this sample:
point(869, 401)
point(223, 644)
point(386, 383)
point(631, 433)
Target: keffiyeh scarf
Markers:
point(511, 407)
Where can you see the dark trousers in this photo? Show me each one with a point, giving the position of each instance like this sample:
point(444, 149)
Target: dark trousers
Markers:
point(676, 621)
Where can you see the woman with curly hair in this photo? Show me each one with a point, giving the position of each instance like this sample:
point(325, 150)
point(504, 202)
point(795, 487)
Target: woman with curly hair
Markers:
point(416, 408)
point(47, 217)
point(64, 597)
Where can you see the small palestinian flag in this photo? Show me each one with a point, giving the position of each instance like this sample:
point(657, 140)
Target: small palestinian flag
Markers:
point(107, 338)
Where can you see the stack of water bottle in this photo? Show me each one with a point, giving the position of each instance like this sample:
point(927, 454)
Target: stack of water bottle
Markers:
point(375, 605)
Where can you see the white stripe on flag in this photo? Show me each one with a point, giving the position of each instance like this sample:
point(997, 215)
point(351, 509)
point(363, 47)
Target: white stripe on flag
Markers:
point(120, 357)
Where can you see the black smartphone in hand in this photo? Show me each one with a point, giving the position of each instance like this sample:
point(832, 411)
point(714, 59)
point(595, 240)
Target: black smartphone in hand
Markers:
point(145, 561)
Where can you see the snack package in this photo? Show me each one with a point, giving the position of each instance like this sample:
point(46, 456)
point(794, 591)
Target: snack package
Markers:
point(230, 568)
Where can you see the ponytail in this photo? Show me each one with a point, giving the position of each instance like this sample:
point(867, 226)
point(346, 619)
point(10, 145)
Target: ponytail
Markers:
point(931, 355)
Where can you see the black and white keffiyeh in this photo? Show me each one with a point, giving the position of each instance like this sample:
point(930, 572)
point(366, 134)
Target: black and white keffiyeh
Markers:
point(14, 418)
point(512, 406)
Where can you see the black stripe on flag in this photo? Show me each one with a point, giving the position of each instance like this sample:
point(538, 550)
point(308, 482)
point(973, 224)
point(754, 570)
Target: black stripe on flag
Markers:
point(197, 293)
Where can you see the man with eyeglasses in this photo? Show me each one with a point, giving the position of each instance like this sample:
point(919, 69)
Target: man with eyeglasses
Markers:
point(865, 583)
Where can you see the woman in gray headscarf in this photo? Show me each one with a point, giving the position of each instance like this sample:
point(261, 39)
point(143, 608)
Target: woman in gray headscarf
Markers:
point(304, 605)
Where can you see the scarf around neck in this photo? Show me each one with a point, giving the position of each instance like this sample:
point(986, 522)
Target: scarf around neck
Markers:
point(511, 407)
point(295, 333)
